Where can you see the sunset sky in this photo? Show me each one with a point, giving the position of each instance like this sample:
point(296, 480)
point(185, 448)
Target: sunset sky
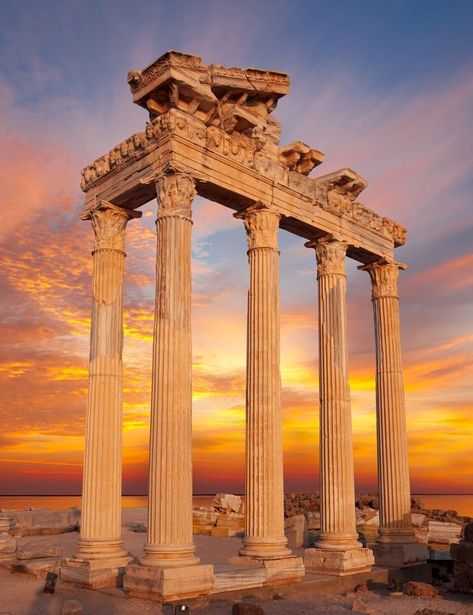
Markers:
point(385, 88)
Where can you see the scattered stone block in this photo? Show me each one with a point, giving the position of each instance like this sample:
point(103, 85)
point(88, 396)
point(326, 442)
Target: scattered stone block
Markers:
point(234, 522)
point(428, 611)
point(418, 519)
point(39, 549)
point(227, 501)
point(446, 533)
point(419, 589)
point(295, 529)
point(7, 545)
point(71, 607)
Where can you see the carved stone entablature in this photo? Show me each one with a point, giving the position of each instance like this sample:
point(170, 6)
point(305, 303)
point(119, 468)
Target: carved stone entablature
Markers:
point(232, 99)
point(299, 157)
point(261, 224)
point(343, 187)
point(335, 193)
point(344, 182)
point(118, 158)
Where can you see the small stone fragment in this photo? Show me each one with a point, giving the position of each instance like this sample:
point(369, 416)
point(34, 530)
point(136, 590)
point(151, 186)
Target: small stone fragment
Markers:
point(420, 589)
point(247, 608)
point(431, 612)
point(71, 607)
point(362, 588)
point(360, 607)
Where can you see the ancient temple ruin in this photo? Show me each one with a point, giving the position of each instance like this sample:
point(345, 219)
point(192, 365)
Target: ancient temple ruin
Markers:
point(212, 132)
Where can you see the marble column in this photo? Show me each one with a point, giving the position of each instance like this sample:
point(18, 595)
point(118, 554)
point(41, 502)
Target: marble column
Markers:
point(264, 456)
point(101, 558)
point(169, 551)
point(393, 465)
point(337, 548)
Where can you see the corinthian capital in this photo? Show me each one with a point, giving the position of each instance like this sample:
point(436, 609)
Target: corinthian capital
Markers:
point(330, 254)
point(261, 224)
point(175, 192)
point(384, 275)
point(109, 223)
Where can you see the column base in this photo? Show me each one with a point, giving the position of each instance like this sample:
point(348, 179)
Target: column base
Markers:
point(95, 573)
point(339, 563)
point(156, 583)
point(400, 556)
point(400, 536)
point(169, 556)
point(265, 548)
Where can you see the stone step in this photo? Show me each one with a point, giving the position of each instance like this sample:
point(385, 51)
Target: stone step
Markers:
point(229, 580)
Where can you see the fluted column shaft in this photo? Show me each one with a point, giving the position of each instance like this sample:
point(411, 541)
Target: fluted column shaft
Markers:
point(170, 467)
point(393, 465)
point(337, 492)
point(100, 534)
point(264, 456)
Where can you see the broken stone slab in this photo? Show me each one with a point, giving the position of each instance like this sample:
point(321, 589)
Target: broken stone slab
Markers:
point(38, 568)
point(39, 549)
point(44, 521)
point(227, 501)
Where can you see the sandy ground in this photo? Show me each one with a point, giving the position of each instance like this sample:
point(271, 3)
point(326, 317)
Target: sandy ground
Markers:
point(22, 594)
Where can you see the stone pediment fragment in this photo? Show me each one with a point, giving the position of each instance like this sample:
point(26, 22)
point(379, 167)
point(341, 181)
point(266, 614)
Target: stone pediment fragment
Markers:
point(175, 80)
point(299, 157)
point(345, 182)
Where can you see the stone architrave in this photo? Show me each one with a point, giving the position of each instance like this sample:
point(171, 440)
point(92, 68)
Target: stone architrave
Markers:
point(397, 544)
point(337, 549)
point(264, 456)
point(170, 543)
point(101, 558)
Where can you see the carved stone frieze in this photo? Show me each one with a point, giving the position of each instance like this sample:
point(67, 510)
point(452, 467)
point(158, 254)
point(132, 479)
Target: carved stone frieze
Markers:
point(109, 223)
point(261, 224)
point(175, 192)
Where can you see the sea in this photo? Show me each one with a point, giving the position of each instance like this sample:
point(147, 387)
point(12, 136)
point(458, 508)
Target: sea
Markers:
point(463, 504)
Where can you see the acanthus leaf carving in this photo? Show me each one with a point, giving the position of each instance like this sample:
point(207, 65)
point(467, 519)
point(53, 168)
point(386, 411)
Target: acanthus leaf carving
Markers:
point(384, 276)
point(175, 193)
point(261, 225)
point(330, 253)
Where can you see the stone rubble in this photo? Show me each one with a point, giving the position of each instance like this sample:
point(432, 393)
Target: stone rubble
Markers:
point(434, 527)
point(419, 589)
point(462, 555)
